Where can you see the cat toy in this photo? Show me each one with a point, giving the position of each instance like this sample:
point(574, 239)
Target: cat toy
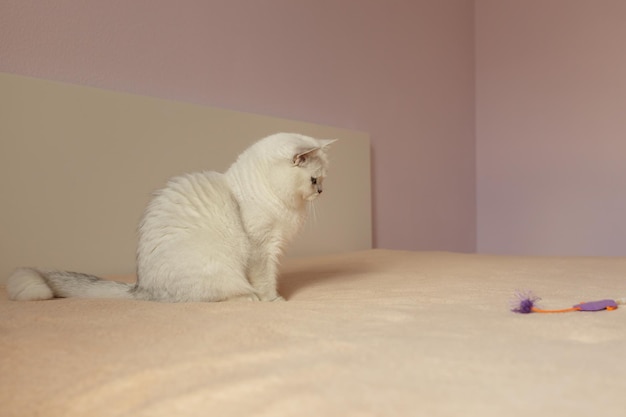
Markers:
point(524, 303)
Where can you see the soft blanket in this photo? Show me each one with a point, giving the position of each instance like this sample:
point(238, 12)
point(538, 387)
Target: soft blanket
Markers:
point(372, 333)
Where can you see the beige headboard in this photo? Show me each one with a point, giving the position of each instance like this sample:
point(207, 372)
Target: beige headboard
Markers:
point(78, 165)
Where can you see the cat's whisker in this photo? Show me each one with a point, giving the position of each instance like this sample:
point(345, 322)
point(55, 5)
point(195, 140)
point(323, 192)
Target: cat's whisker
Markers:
point(314, 210)
point(311, 212)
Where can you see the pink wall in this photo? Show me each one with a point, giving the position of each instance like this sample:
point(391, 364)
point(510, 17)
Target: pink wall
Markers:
point(550, 94)
point(551, 126)
point(402, 70)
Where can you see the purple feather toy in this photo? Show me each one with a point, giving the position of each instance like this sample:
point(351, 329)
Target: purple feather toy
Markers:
point(524, 303)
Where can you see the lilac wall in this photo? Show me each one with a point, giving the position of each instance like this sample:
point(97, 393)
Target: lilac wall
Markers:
point(551, 126)
point(402, 70)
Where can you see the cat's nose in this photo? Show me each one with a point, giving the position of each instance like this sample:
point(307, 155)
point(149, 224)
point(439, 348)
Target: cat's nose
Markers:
point(319, 191)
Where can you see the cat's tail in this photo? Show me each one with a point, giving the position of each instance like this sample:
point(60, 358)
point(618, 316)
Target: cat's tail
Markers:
point(27, 284)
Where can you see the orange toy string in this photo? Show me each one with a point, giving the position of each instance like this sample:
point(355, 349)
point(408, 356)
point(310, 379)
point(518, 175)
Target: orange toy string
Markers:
point(564, 310)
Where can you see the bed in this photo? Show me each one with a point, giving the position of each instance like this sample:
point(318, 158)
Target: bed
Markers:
point(363, 332)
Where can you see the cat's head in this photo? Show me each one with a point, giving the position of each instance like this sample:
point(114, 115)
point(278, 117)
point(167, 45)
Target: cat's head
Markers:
point(291, 166)
point(311, 162)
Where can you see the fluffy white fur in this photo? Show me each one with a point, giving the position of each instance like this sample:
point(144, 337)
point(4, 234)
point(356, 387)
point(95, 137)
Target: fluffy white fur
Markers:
point(25, 285)
point(210, 236)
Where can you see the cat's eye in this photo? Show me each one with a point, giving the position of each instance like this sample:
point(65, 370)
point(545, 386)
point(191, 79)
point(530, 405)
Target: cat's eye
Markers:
point(313, 180)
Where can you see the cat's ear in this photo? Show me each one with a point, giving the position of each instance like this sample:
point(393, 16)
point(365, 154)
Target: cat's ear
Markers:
point(300, 158)
point(325, 143)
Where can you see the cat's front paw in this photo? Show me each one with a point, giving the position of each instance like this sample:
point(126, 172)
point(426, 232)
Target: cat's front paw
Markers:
point(245, 297)
point(271, 297)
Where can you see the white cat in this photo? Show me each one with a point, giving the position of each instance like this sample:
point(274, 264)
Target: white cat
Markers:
point(209, 236)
